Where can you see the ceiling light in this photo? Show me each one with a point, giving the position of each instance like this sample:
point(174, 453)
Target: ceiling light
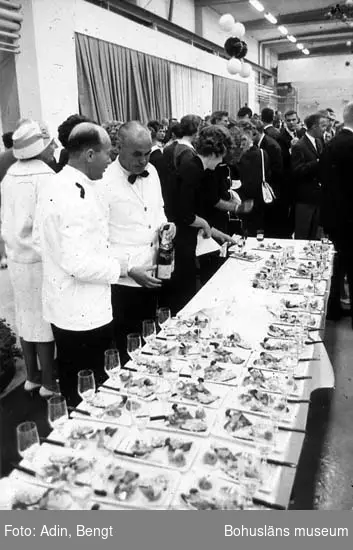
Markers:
point(306, 51)
point(348, 43)
point(291, 38)
point(300, 46)
point(283, 30)
point(257, 5)
point(271, 18)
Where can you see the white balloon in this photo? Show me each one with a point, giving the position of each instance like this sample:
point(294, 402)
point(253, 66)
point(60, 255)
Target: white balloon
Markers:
point(234, 66)
point(238, 30)
point(226, 22)
point(245, 71)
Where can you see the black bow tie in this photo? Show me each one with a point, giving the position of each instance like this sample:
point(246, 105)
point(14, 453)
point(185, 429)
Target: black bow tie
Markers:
point(133, 177)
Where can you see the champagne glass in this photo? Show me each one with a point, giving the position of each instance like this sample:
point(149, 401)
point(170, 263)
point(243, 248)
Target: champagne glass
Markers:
point(112, 364)
point(86, 385)
point(57, 411)
point(134, 345)
point(27, 440)
point(163, 316)
point(148, 329)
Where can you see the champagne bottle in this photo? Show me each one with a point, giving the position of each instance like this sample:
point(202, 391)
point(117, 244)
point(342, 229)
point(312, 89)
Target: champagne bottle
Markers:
point(165, 258)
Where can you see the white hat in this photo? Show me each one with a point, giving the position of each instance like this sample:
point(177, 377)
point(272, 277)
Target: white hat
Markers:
point(29, 140)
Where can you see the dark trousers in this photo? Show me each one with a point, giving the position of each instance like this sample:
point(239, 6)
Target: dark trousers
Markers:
point(307, 221)
point(343, 262)
point(209, 264)
point(131, 305)
point(78, 350)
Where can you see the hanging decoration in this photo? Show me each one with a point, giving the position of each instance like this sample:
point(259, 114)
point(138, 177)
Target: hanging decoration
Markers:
point(234, 46)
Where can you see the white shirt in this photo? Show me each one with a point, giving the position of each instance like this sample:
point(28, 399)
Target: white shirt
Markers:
point(346, 128)
point(136, 213)
point(260, 140)
point(78, 265)
point(19, 192)
point(310, 138)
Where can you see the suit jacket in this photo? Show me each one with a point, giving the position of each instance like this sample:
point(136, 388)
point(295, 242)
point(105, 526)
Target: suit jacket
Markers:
point(272, 132)
point(336, 170)
point(305, 166)
point(274, 152)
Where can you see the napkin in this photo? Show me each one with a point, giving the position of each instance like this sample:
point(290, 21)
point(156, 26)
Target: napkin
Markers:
point(206, 246)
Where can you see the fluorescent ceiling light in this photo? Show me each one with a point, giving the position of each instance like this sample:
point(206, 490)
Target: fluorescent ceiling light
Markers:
point(349, 43)
point(291, 38)
point(283, 30)
point(257, 5)
point(271, 18)
point(306, 51)
point(300, 46)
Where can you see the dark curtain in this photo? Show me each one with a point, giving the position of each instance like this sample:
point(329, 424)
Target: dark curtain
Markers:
point(116, 83)
point(229, 95)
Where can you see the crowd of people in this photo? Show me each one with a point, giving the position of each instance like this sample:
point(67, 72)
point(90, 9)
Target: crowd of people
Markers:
point(82, 233)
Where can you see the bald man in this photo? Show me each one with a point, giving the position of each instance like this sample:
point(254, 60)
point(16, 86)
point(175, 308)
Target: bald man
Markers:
point(78, 264)
point(133, 194)
point(336, 168)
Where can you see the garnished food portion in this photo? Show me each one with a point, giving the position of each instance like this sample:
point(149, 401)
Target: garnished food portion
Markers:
point(243, 426)
point(128, 483)
point(244, 255)
point(234, 464)
point(314, 304)
point(176, 450)
point(216, 372)
point(185, 418)
point(270, 247)
point(142, 386)
point(269, 381)
point(37, 498)
point(275, 345)
point(236, 420)
point(196, 392)
point(212, 494)
point(63, 467)
point(276, 331)
point(258, 400)
point(79, 435)
point(295, 319)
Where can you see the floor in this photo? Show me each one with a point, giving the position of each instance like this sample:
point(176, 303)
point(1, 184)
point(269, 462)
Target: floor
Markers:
point(325, 474)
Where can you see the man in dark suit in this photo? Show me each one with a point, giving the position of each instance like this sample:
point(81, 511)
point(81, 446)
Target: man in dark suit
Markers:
point(307, 186)
point(267, 117)
point(337, 199)
point(276, 212)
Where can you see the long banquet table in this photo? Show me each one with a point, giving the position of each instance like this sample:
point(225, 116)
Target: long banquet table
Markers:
point(232, 303)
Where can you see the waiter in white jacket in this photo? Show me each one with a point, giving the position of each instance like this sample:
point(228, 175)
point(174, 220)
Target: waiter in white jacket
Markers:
point(78, 264)
point(132, 192)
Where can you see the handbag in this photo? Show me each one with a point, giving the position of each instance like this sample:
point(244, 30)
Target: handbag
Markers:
point(267, 191)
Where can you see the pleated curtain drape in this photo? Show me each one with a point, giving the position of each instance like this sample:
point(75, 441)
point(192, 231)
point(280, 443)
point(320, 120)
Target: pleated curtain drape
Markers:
point(116, 83)
point(191, 91)
point(229, 95)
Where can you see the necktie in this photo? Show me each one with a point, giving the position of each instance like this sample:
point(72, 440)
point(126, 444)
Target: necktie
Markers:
point(318, 143)
point(133, 177)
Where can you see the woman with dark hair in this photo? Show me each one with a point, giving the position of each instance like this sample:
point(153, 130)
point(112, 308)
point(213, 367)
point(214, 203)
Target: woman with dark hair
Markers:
point(64, 131)
point(247, 163)
point(195, 196)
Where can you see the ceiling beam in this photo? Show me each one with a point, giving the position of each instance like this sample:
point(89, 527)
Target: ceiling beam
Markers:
point(212, 3)
point(299, 18)
point(302, 37)
point(318, 37)
point(336, 49)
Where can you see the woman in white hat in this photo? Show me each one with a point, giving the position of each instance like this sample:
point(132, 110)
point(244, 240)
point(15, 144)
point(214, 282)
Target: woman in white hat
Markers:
point(33, 148)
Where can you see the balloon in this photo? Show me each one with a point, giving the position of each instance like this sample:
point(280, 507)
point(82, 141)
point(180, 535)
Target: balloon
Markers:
point(233, 46)
point(226, 22)
point(234, 66)
point(245, 70)
point(238, 30)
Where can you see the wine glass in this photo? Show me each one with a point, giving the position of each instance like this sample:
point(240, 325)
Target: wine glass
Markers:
point(134, 345)
point(86, 385)
point(163, 392)
point(57, 411)
point(27, 440)
point(148, 329)
point(163, 316)
point(260, 235)
point(112, 364)
point(140, 412)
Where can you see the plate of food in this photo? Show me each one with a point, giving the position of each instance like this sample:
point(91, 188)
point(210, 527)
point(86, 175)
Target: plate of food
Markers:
point(183, 418)
point(143, 386)
point(220, 373)
point(267, 403)
point(133, 485)
point(168, 451)
point(234, 462)
point(287, 317)
point(206, 491)
point(269, 247)
point(303, 287)
point(278, 331)
point(276, 344)
point(198, 393)
point(27, 496)
point(273, 382)
point(250, 429)
point(84, 434)
point(244, 256)
point(315, 305)
point(105, 407)
point(305, 270)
